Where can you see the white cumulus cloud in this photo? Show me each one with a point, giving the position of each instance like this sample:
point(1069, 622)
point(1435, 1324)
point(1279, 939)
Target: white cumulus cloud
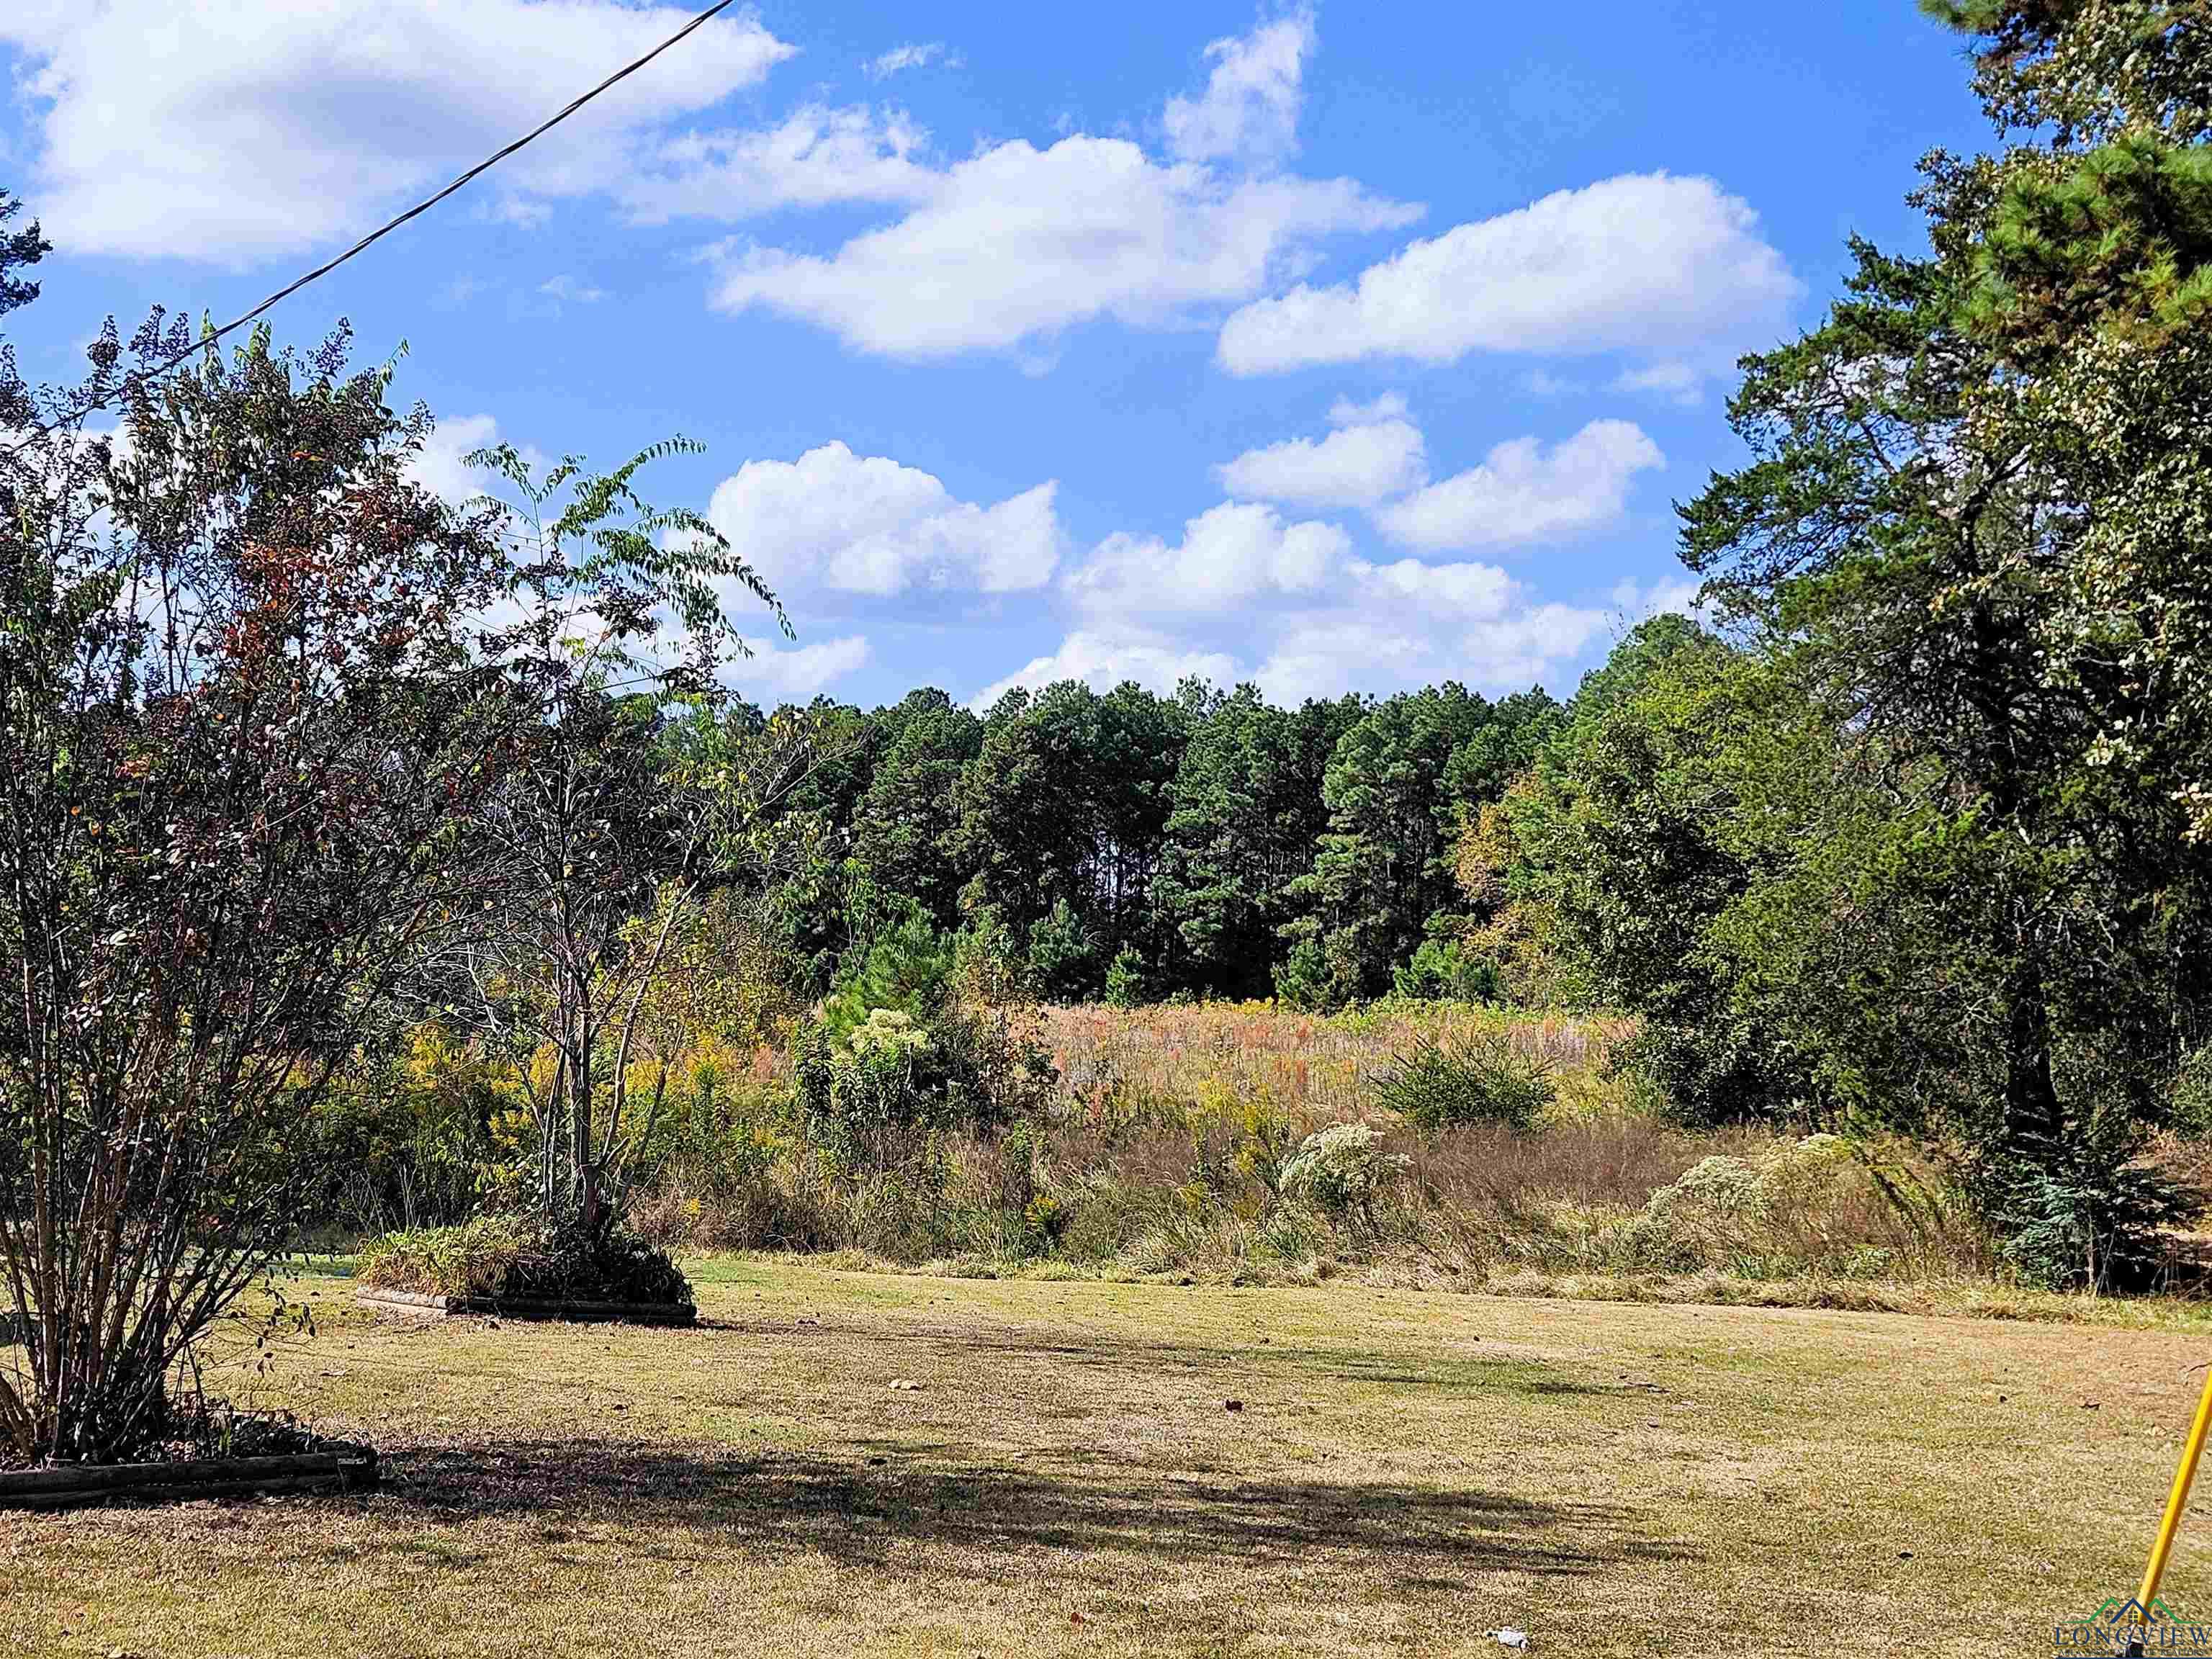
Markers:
point(438, 466)
point(1375, 628)
point(1249, 109)
point(230, 131)
point(815, 157)
point(795, 673)
point(1017, 244)
point(1406, 623)
point(1374, 453)
point(1670, 271)
point(1525, 491)
point(1230, 556)
point(1524, 646)
point(1327, 658)
point(1637, 601)
point(865, 525)
point(1006, 248)
point(1103, 661)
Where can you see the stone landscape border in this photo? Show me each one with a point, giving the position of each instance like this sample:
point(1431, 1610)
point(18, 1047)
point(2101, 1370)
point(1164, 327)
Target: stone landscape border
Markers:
point(508, 1306)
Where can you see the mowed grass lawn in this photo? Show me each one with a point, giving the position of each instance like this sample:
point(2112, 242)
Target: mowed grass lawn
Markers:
point(1406, 1472)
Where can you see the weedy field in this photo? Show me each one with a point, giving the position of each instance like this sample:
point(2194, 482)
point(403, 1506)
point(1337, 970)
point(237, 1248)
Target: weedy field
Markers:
point(1319, 1066)
point(1406, 1143)
point(843, 1462)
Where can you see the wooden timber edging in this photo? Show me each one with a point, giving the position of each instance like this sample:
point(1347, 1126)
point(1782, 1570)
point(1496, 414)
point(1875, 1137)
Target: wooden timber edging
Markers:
point(342, 1468)
point(509, 1307)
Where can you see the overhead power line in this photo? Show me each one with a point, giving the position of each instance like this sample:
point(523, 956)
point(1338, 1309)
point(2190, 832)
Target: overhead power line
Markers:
point(390, 225)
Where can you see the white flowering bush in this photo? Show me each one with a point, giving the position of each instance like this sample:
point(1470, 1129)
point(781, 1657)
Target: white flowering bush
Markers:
point(1805, 1206)
point(887, 1034)
point(1339, 1168)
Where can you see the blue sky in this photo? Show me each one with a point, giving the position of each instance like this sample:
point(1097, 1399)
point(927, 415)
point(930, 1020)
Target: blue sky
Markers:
point(1343, 348)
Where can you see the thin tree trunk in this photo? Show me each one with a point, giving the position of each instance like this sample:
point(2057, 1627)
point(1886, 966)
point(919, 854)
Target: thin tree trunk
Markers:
point(2034, 1122)
point(584, 1039)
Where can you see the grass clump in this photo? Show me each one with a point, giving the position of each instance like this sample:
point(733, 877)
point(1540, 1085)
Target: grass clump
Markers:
point(1482, 1078)
point(1820, 1205)
point(508, 1255)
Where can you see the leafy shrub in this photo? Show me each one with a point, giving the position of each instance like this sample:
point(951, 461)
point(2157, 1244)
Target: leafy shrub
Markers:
point(1483, 1079)
point(1302, 978)
point(517, 1256)
point(1340, 1169)
point(1710, 1217)
point(871, 1098)
point(1447, 968)
point(2090, 1215)
point(2189, 1105)
point(408, 1132)
point(1125, 979)
point(1063, 955)
point(907, 968)
point(610, 1266)
point(783, 1204)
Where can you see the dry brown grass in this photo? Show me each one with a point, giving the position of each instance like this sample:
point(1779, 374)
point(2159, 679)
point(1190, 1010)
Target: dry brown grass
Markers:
point(1162, 1148)
point(1309, 1065)
point(1407, 1471)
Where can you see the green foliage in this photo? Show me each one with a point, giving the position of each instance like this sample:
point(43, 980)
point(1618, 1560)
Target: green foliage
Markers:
point(624, 792)
point(877, 1096)
point(1448, 969)
point(1304, 978)
point(2117, 240)
point(1972, 532)
point(904, 822)
point(246, 732)
point(412, 1136)
point(1816, 1205)
point(2190, 1110)
point(1063, 954)
point(470, 1258)
point(597, 1264)
point(1125, 979)
point(1062, 817)
point(908, 967)
point(1484, 1078)
point(2085, 69)
point(19, 250)
point(1514, 732)
point(600, 547)
point(1631, 836)
point(2087, 1214)
point(1382, 868)
point(510, 1256)
point(1246, 814)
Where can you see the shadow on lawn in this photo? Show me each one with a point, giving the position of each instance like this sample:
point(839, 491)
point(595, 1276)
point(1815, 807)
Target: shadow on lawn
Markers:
point(961, 1346)
point(871, 1510)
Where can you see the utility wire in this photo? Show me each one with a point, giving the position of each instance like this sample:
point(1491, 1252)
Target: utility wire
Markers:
point(386, 230)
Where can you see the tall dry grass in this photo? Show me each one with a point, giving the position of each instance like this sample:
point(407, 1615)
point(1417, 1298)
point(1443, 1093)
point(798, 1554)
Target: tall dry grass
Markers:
point(1164, 1149)
point(1320, 1067)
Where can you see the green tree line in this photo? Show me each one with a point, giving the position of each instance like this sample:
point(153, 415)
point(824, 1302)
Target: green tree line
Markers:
point(1126, 844)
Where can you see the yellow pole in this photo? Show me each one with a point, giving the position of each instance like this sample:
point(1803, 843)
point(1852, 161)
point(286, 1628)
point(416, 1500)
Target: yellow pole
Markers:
point(2178, 1499)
